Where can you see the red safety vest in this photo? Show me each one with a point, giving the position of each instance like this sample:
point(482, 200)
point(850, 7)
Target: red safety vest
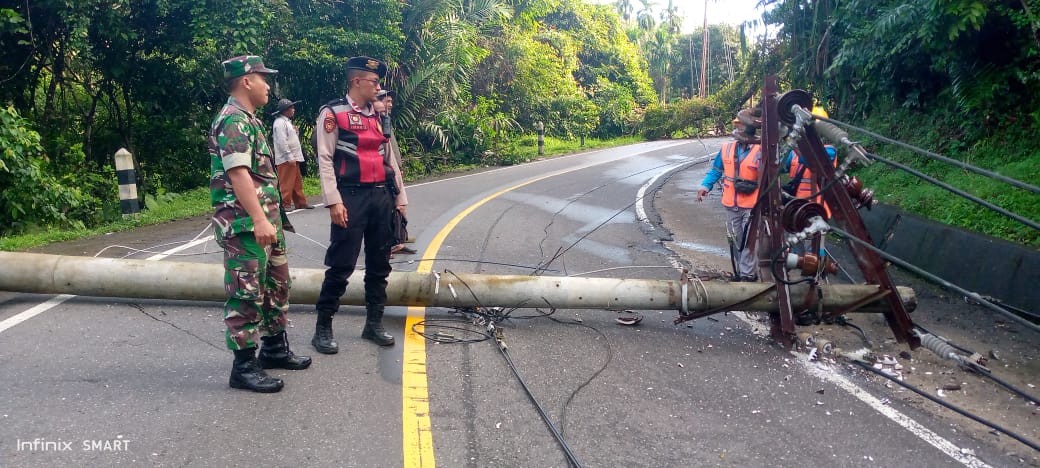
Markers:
point(359, 157)
point(748, 170)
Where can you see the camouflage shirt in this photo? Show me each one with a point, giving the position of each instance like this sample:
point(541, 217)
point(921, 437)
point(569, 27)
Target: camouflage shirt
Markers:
point(236, 139)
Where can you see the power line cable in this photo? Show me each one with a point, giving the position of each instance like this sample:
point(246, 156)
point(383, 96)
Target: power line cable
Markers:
point(493, 319)
point(974, 296)
point(562, 251)
point(977, 170)
point(950, 406)
point(981, 370)
point(1009, 214)
point(541, 411)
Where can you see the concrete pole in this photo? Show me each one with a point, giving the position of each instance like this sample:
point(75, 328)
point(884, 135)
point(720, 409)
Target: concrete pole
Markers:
point(704, 55)
point(127, 176)
point(541, 137)
point(107, 277)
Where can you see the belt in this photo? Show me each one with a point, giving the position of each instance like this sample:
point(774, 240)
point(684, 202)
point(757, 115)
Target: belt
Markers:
point(365, 186)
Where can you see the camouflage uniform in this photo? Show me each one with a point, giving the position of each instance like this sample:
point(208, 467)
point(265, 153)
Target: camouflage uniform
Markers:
point(256, 279)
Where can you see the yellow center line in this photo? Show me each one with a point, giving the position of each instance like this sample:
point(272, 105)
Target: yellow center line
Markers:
point(418, 435)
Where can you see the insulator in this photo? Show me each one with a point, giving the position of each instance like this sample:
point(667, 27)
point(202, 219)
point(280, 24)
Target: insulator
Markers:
point(794, 97)
point(860, 197)
point(856, 152)
point(787, 217)
point(939, 347)
point(798, 213)
point(809, 264)
point(867, 199)
point(854, 186)
point(792, 261)
point(811, 210)
point(833, 133)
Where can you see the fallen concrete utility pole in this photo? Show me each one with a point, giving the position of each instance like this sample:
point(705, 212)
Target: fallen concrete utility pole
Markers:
point(106, 277)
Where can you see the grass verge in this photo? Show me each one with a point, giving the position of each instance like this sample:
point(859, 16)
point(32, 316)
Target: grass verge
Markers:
point(1015, 154)
point(196, 202)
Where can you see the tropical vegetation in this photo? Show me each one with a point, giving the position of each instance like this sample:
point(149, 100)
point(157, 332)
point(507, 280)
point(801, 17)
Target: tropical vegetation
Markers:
point(474, 78)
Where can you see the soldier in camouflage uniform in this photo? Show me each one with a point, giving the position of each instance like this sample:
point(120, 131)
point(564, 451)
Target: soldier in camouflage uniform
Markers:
point(248, 222)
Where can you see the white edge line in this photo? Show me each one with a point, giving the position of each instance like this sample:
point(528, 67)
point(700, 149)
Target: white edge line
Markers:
point(827, 373)
point(640, 201)
point(57, 300)
point(36, 310)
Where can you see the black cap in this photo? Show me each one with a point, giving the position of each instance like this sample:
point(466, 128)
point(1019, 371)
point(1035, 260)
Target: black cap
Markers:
point(284, 104)
point(368, 64)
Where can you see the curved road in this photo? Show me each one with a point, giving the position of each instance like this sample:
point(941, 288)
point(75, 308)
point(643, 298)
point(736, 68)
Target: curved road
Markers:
point(91, 381)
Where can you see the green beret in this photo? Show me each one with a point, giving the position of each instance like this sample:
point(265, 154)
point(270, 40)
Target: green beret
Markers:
point(244, 65)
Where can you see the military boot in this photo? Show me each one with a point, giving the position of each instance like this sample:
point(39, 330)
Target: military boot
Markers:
point(247, 374)
point(322, 340)
point(275, 354)
point(374, 326)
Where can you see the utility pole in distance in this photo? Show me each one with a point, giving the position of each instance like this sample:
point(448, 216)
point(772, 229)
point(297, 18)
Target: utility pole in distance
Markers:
point(704, 55)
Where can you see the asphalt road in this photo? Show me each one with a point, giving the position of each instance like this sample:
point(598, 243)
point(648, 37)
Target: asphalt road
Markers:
point(101, 382)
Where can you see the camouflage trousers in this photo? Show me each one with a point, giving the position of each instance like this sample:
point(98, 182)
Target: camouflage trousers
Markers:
point(256, 281)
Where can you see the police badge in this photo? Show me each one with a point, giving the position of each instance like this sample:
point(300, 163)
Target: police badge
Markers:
point(355, 122)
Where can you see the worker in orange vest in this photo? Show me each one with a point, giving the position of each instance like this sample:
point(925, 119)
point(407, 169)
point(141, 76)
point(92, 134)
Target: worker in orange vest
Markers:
point(796, 168)
point(737, 165)
point(802, 183)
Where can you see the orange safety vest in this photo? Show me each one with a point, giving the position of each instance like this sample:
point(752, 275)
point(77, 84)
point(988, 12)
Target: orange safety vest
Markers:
point(805, 186)
point(748, 170)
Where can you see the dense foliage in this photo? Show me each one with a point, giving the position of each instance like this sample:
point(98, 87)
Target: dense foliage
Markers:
point(472, 77)
point(475, 77)
point(959, 77)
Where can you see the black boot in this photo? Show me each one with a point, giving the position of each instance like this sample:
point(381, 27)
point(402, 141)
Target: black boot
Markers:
point(247, 374)
point(275, 354)
point(322, 340)
point(374, 326)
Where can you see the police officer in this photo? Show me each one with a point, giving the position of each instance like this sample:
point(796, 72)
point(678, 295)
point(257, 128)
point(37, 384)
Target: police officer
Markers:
point(247, 224)
point(383, 106)
point(737, 165)
point(357, 185)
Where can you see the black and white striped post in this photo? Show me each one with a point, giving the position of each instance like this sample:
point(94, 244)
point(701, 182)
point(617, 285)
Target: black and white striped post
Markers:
point(541, 137)
point(127, 176)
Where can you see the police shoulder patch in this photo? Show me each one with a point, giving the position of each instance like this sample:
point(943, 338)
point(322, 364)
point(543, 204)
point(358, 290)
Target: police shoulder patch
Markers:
point(330, 123)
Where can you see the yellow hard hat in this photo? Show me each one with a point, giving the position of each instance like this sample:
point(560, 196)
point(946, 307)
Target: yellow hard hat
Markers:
point(820, 111)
